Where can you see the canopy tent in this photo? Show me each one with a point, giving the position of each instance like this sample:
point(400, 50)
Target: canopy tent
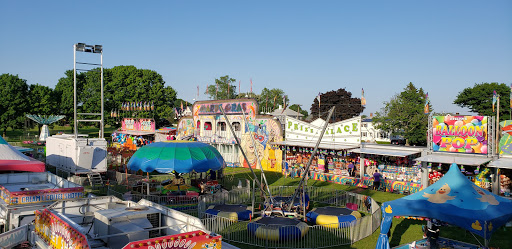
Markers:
point(12, 159)
point(180, 156)
point(453, 199)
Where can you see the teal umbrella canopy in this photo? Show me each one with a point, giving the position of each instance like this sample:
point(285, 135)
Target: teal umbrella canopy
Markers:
point(179, 156)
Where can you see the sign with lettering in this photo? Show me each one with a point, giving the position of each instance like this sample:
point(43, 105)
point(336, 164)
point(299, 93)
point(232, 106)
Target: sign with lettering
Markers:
point(142, 124)
point(342, 132)
point(462, 134)
point(35, 196)
point(249, 107)
point(190, 240)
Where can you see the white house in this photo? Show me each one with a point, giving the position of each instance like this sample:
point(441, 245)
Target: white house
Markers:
point(370, 134)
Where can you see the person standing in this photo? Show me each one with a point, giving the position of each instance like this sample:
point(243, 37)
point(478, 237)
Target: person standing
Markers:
point(376, 180)
point(433, 233)
point(350, 168)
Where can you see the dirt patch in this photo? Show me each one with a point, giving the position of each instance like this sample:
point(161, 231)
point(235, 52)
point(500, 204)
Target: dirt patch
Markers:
point(357, 190)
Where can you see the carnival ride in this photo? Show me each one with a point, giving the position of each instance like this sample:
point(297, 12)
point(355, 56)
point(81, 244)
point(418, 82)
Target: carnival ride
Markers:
point(280, 216)
point(45, 121)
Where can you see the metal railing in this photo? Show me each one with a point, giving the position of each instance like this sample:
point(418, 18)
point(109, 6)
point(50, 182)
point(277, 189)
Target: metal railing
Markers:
point(317, 236)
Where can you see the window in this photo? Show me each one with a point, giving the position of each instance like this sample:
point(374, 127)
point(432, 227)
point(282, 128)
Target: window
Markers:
point(237, 126)
point(221, 126)
point(365, 125)
point(207, 126)
point(363, 134)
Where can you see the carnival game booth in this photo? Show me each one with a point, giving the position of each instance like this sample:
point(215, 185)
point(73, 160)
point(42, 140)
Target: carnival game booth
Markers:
point(396, 165)
point(332, 157)
point(13, 160)
point(23, 193)
point(468, 141)
point(455, 200)
point(108, 222)
point(208, 125)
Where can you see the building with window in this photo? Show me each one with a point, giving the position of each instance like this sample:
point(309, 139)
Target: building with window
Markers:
point(208, 125)
point(370, 134)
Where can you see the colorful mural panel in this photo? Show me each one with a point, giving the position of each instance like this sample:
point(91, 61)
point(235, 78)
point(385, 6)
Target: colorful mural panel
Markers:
point(461, 134)
point(58, 233)
point(506, 137)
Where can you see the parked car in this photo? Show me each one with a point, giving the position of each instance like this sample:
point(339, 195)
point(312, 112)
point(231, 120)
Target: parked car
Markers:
point(398, 140)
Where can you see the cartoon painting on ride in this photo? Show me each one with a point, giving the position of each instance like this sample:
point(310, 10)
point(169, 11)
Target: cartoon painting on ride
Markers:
point(185, 128)
point(58, 233)
point(191, 240)
point(461, 134)
point(142, 124)
point(265, 131)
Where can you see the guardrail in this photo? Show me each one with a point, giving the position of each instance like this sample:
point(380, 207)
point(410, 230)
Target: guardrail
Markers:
point(14, 237)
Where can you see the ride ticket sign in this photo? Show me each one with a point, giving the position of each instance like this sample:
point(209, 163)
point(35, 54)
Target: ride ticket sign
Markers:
point(461, 134)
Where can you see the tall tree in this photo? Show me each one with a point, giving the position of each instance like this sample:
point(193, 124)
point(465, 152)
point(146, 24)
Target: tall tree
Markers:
point(41, 100)
point(403, 115)
point(346, 106)
point(219, 90)
point(64, 94)
point(270, 99)
point(13, 101)
point(479, 99)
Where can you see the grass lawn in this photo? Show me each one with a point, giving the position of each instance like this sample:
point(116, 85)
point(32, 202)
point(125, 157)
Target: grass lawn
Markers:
point(402, 231)
point(19, 135)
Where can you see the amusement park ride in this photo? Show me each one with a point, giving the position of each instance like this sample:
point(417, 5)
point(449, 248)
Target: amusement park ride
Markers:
point(281, 206)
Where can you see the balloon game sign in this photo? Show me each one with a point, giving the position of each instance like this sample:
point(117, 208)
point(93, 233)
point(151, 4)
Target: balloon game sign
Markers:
point(461, 134)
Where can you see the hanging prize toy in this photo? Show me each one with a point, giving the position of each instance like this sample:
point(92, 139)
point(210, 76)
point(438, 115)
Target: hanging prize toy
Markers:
point(439, 167)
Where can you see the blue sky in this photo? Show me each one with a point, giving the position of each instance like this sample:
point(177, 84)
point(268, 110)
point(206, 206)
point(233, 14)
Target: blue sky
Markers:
point(301, 47)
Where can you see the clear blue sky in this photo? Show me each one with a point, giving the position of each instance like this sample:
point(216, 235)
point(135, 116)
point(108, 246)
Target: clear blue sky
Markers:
point(302, 47)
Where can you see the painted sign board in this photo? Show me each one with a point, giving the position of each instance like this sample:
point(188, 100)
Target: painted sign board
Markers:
point(58, 233)
point(460, 134)
point(342, 132)
point(141, 124)
point(190, 240)
point(43, 195)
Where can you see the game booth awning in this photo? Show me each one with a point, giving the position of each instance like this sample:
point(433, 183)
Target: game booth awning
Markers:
point(455, 200)
point(13, 160)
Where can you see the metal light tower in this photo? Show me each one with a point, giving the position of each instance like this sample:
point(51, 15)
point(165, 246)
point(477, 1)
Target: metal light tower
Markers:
point(97, 49)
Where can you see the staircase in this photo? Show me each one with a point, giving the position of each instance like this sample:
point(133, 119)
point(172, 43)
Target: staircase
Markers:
point(95, 179)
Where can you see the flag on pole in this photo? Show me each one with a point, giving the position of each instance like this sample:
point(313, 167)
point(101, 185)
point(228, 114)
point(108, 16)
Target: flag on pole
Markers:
point(284, 103)
point(274, 102)
point(363, 99)
point(228, 89)
point(494, 99)
point(426, 109)
point(216, 89)
point(318, 98)
point(197, 92)
point(181, 105)
point(206, 89)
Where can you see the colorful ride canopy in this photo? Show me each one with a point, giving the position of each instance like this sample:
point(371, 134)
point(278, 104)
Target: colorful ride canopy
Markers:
point(453, 199)
point(179, 156)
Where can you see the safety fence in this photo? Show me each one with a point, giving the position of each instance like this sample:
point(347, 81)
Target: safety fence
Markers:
point(314, 236)
point(14, 237)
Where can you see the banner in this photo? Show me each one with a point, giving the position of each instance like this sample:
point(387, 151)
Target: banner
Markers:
point(461, 134)
point(133, 124)
point(43, 195)
point(343, 132)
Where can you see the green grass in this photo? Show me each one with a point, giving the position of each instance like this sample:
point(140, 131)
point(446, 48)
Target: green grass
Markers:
point(19, 135)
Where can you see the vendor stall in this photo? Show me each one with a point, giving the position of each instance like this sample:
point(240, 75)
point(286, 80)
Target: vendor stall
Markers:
point(455, 200)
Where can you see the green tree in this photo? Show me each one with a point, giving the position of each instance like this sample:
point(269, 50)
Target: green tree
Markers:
point(270, 99)
point(64, 95)
point(346, 106)
point(479, 99)
point(219, 90)
point(403, 115)
point(299, 109)
point(13, 101)
point(41, 100)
